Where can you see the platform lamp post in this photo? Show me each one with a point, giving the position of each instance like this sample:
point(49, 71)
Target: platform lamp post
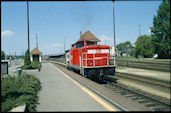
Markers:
point(64, 44)
point(114, 35)
point(28, 28)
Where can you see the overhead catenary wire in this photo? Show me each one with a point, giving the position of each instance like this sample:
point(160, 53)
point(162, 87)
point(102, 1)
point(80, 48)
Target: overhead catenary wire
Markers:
point(45, 14)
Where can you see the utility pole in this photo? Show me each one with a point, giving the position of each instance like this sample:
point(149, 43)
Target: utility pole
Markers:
point(23, 53)
point(139, 30)
point(114, 36)
point(28, 27)
point(64, 44)
point(36, 40)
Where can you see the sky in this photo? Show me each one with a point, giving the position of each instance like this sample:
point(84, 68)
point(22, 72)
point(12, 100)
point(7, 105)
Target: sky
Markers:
point(59, 22)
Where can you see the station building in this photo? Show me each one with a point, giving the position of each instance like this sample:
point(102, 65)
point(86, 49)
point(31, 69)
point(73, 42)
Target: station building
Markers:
point(35, 55)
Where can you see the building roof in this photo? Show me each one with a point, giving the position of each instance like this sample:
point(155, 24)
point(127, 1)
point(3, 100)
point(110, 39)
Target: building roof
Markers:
point(88, 36)
point(128, 49)
point(11, 55)
point(35, 51)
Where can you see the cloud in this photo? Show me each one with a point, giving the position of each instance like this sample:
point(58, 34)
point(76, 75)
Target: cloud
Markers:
point(57, 45)
point(105, 38)
point(7, 33)
point(52, 48)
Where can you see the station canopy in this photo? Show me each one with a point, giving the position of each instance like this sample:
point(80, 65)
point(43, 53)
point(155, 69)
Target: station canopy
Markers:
point(35, 51)
point(88, 36)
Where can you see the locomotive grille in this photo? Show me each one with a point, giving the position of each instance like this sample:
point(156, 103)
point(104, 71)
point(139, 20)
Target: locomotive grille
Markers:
point(92, 59)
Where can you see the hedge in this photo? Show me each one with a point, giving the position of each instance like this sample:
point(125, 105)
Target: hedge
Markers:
point(20, 90)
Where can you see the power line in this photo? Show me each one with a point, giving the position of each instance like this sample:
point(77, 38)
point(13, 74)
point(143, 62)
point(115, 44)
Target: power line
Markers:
point(45, 14)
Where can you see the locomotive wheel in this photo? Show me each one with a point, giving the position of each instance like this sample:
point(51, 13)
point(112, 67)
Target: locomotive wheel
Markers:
point(67, 67)
point(85, 75)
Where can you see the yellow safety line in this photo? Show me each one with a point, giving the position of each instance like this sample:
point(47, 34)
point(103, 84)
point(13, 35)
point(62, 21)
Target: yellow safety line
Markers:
point(107, 106)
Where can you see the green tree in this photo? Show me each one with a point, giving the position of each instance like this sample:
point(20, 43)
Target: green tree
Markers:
point(27, 58)
point(143, 46)
point(121, 46)
point(132, 53)
point(2, 55)
point(161, 30)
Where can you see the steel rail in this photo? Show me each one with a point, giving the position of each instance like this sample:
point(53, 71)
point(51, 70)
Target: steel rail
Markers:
point(145, 79)
point(143, 95)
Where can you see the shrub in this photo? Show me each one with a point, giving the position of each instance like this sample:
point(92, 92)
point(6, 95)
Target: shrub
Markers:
point(27, 58)
point(16, 91)
point(2, 55)
point(35, 64)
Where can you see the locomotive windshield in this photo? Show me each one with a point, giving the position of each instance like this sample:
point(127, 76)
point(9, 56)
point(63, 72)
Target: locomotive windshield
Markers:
point(78, 45)
point(91, 43)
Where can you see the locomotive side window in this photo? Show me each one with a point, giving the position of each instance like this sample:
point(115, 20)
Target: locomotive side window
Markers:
point(78, 45)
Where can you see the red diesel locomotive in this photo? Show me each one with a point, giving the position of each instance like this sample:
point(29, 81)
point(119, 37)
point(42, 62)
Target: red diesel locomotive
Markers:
point(92, 60)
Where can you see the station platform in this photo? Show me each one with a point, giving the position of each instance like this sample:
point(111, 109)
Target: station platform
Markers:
point(164, 76)
point(60, 93)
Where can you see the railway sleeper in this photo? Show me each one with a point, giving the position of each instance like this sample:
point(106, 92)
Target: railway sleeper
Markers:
point(152, 105)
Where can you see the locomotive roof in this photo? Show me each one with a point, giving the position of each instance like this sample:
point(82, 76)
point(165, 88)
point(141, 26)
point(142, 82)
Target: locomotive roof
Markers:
point(88, 36)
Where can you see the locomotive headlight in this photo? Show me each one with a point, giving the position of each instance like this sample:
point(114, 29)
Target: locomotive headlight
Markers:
point(106, 61)
point(91, 62)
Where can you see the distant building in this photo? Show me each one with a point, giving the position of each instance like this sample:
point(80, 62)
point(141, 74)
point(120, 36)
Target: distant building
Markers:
point(155, 56)
point(112, 49)
point(11, 56)
point(35, 55)
point(128, 49)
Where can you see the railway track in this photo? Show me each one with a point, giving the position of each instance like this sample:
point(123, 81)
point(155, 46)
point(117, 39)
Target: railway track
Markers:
point(152, 103)
point(144, 65)
point(146, 80)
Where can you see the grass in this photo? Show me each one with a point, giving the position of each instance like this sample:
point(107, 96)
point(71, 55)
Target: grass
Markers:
point(143, 59)
point(20, 90)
